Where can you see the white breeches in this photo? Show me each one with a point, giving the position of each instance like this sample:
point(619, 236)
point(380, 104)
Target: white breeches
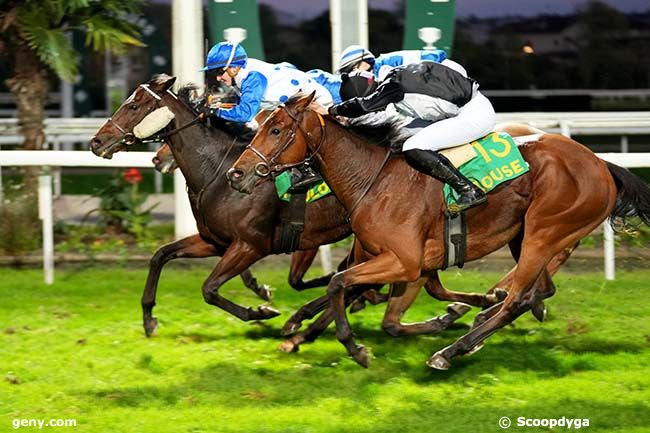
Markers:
point(474, 120)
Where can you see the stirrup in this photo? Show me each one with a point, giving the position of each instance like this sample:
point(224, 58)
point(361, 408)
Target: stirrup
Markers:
point(455, 208)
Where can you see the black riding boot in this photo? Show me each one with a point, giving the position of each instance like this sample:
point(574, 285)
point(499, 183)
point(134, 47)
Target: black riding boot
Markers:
point(436, 165)
point(302, 178)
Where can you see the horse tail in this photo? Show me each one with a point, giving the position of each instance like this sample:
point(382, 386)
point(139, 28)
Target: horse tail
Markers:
point(632, 199)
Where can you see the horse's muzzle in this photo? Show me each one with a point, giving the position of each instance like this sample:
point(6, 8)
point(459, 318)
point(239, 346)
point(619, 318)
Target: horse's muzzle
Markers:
point(239, 181)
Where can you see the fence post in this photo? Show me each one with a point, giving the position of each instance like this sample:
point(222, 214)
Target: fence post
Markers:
point(45, 214)
point(184, 224)
point(609, 253)
point(325, 252)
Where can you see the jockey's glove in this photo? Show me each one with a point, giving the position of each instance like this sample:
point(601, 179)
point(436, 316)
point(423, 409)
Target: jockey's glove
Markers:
point(349, 108)
point(209, 111)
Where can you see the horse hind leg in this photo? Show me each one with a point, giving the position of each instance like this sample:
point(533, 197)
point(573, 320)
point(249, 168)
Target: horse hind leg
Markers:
point(538, 248)
point(300, 263)
point(262, 291)
point(238, 257)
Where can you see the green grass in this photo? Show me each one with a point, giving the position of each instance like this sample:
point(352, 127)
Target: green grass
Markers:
point(76, 350)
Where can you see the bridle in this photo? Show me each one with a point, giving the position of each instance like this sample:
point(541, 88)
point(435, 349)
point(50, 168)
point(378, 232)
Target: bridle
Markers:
point(129, 139)
point(268, 166)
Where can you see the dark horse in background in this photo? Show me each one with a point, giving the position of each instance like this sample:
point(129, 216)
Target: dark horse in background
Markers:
point(397, 216)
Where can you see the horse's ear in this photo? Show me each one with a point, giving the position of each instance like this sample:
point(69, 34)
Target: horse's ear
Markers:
point(161, 83)
point(303, 103)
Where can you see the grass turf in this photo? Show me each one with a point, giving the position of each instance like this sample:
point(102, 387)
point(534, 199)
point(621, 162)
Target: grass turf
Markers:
point(77, 350)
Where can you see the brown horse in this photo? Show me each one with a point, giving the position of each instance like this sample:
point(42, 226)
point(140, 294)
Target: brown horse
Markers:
point(301, 261)
point(241, 229)
point(397, 216)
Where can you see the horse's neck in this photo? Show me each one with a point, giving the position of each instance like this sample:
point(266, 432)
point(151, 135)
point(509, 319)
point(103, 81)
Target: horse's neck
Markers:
point(197, 149)
point(348, 164)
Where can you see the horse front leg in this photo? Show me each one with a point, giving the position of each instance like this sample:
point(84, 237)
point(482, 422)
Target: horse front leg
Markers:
point(190, 247)
point(316, 328)
point(401, 297)
point(385, 268)
point(306, 312)
point(238, 257)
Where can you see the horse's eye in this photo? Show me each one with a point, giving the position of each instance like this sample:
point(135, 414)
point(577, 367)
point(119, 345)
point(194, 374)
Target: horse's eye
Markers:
point(275, 131)
point(133, 107)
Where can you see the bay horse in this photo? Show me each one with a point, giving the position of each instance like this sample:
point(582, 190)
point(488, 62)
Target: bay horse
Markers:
point(397, 213)
point(240, 228)
point(301, 260)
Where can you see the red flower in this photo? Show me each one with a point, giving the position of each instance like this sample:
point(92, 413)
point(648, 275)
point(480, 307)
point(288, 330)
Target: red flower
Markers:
point(132, 176)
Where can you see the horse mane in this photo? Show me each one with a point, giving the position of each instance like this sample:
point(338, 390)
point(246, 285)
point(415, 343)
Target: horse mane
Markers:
point(378, 129)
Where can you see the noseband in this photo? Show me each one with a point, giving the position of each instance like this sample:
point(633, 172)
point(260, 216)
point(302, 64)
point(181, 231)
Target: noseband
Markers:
point(129, 139)
point(269, 166)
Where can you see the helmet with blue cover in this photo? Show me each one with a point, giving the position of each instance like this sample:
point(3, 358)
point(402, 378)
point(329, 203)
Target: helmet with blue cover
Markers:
point(225, 55)
point(352, 56)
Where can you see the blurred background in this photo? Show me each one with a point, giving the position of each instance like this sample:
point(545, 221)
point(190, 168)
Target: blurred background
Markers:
point(576, 67)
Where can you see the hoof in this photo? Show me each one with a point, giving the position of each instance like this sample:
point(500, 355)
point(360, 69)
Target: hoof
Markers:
point(497, 296)
point(539, 311)
point(265, 292)
point(290, 328)
point(438, 362)
point(267, 312)
point(458, 309)
point(362, 356)
point(475, 349)
point(357, 306)
point(150, 326)
point(500, 293)
point(288, 346)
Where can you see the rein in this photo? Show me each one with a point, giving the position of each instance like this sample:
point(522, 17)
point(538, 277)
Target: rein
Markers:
point(267, 166)
point(370, 184)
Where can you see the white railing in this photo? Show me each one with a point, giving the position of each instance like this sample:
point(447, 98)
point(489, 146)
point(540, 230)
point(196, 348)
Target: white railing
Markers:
point(183, 218)
point(59, 130)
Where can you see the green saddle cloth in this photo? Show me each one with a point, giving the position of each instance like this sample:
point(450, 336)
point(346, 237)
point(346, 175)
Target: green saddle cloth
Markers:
point(316, 192)
point(497, 160)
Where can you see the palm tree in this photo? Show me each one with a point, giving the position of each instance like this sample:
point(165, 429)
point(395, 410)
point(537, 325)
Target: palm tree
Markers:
point(33, 40)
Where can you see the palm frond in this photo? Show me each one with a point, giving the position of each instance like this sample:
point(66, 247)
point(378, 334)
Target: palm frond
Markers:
point(110, 33)
point(50, 45)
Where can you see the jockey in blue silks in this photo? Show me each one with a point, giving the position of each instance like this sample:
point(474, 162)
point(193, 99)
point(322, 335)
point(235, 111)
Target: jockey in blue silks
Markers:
point(259, 85)
point(356, 57)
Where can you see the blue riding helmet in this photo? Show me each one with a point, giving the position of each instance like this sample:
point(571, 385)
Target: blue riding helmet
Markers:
point(220, 53)
point(352, 56)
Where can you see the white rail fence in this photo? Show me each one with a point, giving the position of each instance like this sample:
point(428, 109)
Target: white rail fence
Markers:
point(61, 130)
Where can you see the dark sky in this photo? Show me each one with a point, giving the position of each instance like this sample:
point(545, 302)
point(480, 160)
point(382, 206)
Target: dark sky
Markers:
point(480, 8)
